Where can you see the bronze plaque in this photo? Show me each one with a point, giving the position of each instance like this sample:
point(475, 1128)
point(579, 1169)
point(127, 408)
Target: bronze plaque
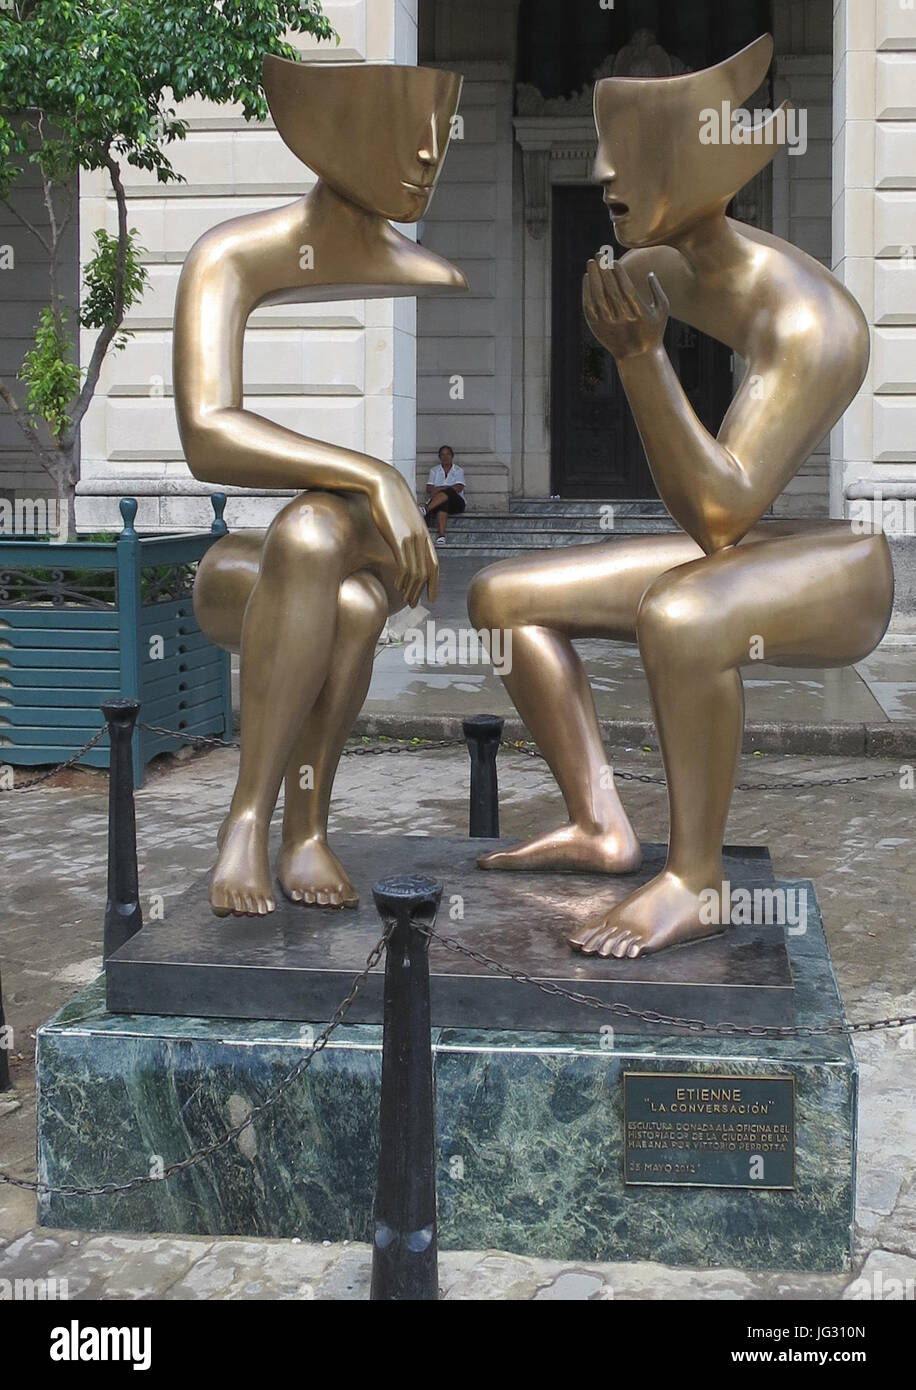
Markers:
point(709, 1131)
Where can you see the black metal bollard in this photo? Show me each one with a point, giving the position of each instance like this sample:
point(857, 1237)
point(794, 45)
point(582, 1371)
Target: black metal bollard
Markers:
point(405, 1260)
point(123, 917)
point(483, 733)
point(5, 1082)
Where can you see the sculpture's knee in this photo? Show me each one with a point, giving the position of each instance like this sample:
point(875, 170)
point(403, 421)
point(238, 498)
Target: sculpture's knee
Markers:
point(363, 606)
point(489, 598)
point(315, 526)
point(222, 587)
point(677, 624)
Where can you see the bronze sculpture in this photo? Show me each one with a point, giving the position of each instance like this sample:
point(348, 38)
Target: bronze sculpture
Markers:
point(730, 587)
point(305, 602)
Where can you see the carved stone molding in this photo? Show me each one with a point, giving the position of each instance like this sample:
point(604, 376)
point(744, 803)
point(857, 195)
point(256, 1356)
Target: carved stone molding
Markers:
point(562, 128)
point(543, 140)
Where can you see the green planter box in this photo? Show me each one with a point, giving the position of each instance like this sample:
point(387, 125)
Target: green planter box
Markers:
point(82, 623)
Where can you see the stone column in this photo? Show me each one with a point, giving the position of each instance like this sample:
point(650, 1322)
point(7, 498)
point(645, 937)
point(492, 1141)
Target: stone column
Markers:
point(873, 449)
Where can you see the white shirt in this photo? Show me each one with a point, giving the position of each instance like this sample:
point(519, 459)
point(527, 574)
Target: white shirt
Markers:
point(439, 478)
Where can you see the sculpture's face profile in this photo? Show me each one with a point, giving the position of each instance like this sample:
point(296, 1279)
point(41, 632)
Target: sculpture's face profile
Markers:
point(659, 176)
point(374, 132)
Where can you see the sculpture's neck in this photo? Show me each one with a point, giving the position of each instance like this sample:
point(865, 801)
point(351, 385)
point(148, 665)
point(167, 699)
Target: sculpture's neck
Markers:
point(340, 220)
point(715, 250)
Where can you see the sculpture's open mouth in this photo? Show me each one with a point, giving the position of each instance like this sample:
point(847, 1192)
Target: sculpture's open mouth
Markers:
point(616, 208)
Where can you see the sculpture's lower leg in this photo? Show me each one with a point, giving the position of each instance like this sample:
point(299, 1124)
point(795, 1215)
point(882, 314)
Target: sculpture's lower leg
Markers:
point(551, 693)
point(820, 599)
point(699, 713)
point(288, 635)
point(307, 868)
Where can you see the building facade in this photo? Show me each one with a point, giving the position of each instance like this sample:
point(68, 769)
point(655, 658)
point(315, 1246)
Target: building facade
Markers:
point(506, 374)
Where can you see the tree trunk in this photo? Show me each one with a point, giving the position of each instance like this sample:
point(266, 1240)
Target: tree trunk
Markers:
point(66, 479)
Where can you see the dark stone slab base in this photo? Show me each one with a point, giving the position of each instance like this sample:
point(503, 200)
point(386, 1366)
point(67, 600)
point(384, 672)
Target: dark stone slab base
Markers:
point(530, 1133)
point(299, 962)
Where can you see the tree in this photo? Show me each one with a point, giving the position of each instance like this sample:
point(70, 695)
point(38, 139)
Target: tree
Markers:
point(93, 84)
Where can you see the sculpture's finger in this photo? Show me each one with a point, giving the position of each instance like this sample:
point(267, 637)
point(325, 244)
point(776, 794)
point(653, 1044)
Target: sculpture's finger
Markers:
point(659, 298)
point(432, 570)
point(614, 298)
point(627, 291)
point(599, 297)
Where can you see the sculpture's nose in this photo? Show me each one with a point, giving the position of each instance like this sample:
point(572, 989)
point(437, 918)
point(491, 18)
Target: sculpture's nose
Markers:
point(603, 170)
point(428, 153)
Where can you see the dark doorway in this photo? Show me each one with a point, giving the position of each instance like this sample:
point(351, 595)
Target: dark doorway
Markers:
point(595, 448)
point(560, 46)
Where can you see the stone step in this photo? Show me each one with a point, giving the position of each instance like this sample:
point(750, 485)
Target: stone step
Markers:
point(550, 523)
point(538, 526)
point(579, 506)
point(496, 546)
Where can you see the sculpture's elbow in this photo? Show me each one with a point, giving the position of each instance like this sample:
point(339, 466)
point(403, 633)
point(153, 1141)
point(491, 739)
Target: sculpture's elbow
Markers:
point(204, 445)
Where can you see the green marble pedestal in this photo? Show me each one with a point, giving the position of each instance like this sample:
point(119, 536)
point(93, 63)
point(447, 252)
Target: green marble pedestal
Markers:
point(530, 1133)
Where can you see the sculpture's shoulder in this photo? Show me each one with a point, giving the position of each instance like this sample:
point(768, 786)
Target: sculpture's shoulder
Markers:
point(803, 303)
point(249, 234)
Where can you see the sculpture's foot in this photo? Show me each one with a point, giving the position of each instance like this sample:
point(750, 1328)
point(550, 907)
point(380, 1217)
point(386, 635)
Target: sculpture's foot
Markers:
point(310, 872)
point(241, 883)
point(664, 912)
point(606, 852)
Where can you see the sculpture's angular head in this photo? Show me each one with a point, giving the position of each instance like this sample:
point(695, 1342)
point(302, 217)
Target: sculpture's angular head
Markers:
point(375, 132)
point(660, 171)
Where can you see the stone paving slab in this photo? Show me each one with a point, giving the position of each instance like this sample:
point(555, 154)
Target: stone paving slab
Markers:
point(856, 842)
point(166, 1267)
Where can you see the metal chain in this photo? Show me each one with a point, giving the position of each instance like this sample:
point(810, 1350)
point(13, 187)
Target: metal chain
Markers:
point(694, 1025)
point(426, 745)
point(111, 1189)
point(61, 767)
point(529, 750)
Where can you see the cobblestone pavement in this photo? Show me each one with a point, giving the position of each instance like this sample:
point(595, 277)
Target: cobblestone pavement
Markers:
point(856, 842)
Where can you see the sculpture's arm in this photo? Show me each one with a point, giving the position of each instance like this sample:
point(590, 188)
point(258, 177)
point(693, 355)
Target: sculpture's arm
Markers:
point(227, 444)
point(717, 488)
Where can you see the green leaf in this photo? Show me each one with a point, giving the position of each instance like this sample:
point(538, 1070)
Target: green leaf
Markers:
point(50, 373)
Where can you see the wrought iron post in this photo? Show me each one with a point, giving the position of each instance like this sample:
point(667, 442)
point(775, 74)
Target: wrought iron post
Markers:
point(483, 733)
point(218, 526)
point(123, 917)
point(405, 1262)
point(129, 616)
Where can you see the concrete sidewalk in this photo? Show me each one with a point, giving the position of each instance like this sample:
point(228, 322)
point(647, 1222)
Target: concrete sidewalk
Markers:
point(869, 709)
point(855, 841)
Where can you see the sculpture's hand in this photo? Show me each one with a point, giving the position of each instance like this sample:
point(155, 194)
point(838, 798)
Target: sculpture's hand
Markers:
point(616, 314)
point(403, 528)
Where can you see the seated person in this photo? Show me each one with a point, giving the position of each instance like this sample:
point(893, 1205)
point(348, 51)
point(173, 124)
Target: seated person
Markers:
point(444, 491)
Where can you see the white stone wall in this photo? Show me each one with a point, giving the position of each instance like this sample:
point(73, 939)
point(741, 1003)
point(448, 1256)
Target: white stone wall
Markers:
point(465, 361)
point(874, 233)
point(345, 372)
point(873, 449)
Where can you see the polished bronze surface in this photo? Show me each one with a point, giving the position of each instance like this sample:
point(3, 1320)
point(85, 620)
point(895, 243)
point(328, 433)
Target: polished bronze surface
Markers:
point(305, 603)
point(731, 589)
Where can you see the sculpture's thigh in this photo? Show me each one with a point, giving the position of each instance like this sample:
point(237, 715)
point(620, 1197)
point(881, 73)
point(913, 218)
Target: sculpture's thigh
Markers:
point(823, 599)
point(225, 578)
point(582, 591)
